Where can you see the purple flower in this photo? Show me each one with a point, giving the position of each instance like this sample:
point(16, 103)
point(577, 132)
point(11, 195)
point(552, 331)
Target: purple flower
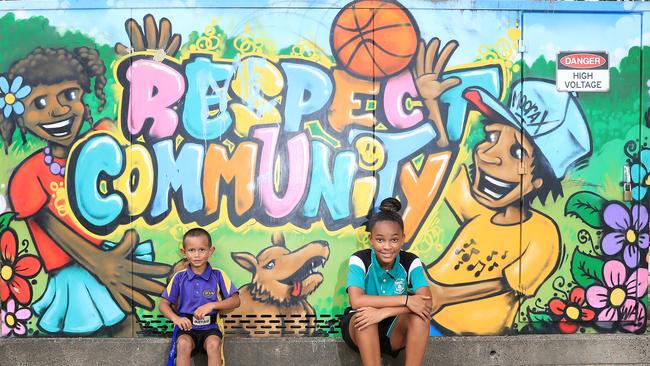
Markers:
point(629, 232)
point(12, 320)
point(619, 298)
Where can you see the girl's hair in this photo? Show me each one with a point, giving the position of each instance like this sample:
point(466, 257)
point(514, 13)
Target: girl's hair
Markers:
point(388, 211)
point(50, 66)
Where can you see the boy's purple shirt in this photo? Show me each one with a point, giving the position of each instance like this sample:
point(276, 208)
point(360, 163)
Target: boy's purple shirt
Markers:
point(188, 290)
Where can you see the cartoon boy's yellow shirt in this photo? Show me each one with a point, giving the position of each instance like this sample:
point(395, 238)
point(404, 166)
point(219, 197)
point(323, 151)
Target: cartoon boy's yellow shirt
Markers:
point(522, 256)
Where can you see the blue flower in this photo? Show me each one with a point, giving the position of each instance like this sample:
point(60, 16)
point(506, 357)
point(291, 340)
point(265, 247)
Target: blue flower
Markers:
point(640, 177)
point(10, 98)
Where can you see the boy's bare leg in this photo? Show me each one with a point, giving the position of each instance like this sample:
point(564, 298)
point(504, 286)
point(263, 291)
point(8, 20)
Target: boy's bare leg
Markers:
point(212, 346)
point(184, 347)
point(367, 340)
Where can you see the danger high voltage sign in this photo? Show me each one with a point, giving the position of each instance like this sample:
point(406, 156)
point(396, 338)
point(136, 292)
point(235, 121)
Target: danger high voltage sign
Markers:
point(582, 71)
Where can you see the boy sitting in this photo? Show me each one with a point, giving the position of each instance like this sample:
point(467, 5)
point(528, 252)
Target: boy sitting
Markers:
point(198, 293)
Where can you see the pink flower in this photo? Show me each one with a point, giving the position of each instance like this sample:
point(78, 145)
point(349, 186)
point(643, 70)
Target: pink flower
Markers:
point(11, 319)
point(619, 298)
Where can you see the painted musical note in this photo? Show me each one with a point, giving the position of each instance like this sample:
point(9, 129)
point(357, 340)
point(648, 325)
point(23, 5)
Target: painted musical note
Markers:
point(471, 267)
point(489, 257)
point(493, 266)
point(504, 255)
point(467, 256)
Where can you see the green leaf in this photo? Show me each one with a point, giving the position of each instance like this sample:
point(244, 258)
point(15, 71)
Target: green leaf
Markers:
point(5, 219)
point(586, 206)
point(586, 270)
point(539, 321)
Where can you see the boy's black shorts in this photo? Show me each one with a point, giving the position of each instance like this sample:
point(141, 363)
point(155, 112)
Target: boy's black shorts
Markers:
point(384, 328)
point(199, 337)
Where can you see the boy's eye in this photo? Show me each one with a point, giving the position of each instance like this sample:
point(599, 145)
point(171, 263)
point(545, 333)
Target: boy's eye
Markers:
point(270, 265)
point(492, 136)
point(70, 94)
point(517, 151)
point(40, 102)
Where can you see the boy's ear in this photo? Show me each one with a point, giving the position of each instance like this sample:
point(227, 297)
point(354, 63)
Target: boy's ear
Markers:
point(246, 260)
point(537, 183)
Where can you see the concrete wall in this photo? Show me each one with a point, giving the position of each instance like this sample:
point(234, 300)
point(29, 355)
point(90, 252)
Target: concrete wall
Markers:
point(298, 119)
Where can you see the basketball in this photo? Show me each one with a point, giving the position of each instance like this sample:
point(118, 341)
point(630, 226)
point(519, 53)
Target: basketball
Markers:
point(374, 38)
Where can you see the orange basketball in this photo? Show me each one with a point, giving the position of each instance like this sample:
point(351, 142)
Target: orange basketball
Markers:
point(374, 38)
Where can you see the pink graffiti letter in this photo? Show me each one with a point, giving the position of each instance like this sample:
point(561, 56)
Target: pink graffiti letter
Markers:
point(154, 88)
point(394, 95)
point(296, 183)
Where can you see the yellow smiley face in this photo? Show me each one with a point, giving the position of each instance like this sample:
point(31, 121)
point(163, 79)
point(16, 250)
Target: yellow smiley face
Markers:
point(371, 153)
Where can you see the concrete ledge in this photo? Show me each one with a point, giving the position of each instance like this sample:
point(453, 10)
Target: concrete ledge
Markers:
point(498, 350)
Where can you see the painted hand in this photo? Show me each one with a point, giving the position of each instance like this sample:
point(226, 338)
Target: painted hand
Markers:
point(367, 316)
point(127, 280)
point(153, 38)
point(429, 66)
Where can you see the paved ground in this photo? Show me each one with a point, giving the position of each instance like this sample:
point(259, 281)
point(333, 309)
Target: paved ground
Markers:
point(585, 349)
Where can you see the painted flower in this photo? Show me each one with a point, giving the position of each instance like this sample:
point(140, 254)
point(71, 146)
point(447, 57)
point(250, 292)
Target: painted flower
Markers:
point(618, 299)
point(640, 175)
point(15, 270)
point(13, 319)
point(10, 96)
point(626, 231)
point(571, 311)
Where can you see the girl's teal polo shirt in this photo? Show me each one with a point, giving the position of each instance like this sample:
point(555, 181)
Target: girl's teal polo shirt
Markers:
point(364, 271)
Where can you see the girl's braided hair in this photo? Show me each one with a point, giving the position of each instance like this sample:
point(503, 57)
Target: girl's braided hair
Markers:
point(49, 66)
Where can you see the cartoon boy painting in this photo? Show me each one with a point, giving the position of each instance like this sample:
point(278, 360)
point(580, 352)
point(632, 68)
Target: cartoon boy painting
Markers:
point(504, 250)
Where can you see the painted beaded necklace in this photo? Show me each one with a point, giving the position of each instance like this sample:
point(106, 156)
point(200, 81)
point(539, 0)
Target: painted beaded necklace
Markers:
point(55, 168)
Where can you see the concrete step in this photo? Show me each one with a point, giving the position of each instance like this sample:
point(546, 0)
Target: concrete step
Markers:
point(594, 349)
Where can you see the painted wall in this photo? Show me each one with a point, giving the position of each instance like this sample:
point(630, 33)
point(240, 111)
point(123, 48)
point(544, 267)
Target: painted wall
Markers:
point(124, 127)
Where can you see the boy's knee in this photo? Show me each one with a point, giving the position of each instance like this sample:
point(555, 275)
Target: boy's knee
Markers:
point(184, 345)
point(212, 344)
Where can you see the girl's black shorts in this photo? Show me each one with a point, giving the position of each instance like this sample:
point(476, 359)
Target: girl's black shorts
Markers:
point(384, 327)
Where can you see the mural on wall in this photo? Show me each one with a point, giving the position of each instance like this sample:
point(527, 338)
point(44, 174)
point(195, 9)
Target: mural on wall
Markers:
point(279, 139)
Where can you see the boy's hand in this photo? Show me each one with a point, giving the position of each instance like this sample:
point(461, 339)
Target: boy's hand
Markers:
point(203, 310)
point(420, 305)
point(183, 323)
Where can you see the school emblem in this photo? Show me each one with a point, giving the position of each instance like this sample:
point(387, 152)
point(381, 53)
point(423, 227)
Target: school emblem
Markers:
point(208, 293)
point(399, 286)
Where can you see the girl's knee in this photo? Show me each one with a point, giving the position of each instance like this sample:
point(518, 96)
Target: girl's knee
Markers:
point(416, 321)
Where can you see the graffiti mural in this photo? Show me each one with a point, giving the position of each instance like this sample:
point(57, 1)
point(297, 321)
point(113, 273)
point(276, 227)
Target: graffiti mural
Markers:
point(279, 128)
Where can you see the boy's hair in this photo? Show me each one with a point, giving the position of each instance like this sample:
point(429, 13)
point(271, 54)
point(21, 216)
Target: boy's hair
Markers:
point(197, 231)
point(388, 211)
point(542, 170)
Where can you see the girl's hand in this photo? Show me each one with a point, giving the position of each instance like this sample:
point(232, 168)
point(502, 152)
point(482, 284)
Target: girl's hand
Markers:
point(183, 323)
point(367, 316)
point(203, 310)
point(420, 305)
point(153, 38)
point(127, 280)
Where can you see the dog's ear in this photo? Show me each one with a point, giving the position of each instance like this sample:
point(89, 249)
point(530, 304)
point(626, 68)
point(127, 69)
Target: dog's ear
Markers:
point(277, 238)
point(246, 260)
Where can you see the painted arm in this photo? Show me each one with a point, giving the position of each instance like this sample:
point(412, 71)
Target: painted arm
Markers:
point(428, 80)
point(448, 295)
point(125, 279)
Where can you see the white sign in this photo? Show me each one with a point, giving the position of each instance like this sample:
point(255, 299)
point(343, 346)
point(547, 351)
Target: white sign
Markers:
point(582, 71)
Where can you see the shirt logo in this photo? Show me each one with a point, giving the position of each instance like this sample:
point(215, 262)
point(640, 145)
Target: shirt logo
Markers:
point(399, 286)
point(208, 293)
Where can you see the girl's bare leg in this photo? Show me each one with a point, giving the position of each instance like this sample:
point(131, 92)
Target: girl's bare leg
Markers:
point(368, 342)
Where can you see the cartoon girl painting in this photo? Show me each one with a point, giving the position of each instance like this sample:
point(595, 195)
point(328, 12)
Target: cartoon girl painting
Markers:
point(93, 285)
